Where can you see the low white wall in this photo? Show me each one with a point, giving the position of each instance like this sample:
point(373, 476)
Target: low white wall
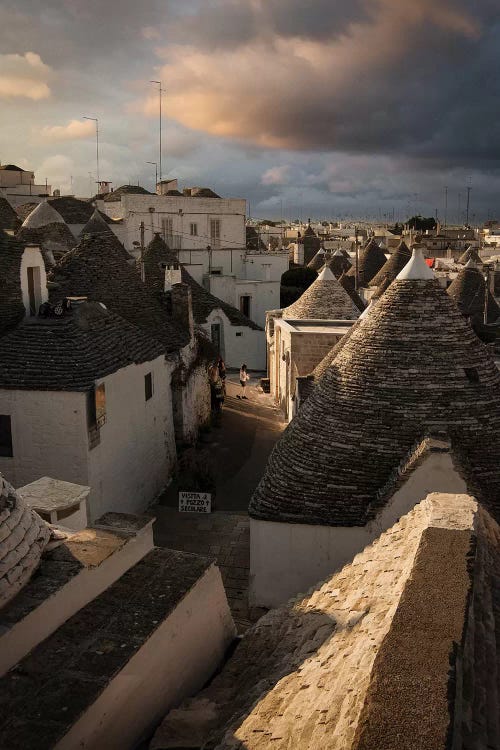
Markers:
point(288, 558)
point(181, 655)
point(66, 601)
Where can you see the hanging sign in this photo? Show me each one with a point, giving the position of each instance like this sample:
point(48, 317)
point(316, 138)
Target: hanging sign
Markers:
point(195, 502)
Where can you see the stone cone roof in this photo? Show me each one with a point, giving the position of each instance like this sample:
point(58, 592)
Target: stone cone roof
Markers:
point(56, 238)
point(371, 260)
point(470, 254)
point(23, 537)
point(397, 651)
point(393, 265)
point(95, 225)
point(8, 217)
point(468, 290)
point(72, 352)
point(97, 269)
point(412, 367)
point(338, 264)
point(42, 215)
point(325, 299)
point(156, 254)
point(348, 283)
point(319, 260)
point(11, 299)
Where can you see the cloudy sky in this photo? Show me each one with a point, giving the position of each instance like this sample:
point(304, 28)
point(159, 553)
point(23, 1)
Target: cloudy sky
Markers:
point(313, 107)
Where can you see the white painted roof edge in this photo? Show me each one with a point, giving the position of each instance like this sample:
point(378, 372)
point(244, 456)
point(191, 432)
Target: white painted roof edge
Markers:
point(416, 268)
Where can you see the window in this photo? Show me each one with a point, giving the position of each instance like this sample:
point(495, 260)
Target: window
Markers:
point(471, 374)
point(193, 230)
point(96, 407)
point(215, 335)
point(167, 229)
point(215, 232)
point(148, 386)
point(245, 304)
point(34, 289)
point(5, 436)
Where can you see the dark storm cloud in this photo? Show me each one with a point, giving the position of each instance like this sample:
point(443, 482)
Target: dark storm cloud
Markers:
point(387, 76)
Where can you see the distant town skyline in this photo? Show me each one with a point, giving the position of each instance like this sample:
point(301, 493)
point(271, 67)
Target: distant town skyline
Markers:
point(321, 109)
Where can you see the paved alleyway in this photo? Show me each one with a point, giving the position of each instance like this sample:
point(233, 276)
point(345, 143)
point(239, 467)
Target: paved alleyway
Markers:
point(239, 447)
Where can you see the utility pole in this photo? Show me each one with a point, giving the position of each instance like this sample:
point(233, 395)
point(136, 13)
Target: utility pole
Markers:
point(356, 276)
point(486, 291)
point(160, 92)
point(445, 205)
point(142, 249)
point(468, 202)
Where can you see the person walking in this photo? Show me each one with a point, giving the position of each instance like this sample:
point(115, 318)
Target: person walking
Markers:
point(244, 377)
point(222, 373)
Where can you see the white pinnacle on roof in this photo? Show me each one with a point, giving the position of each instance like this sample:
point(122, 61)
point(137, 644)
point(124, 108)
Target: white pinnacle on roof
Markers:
point(338, 252)
point(416, 268)
point(42, 215)
point(326, 275)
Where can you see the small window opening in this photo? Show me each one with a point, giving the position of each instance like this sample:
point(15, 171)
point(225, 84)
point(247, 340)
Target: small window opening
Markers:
point(148, 386)
point(471, 374)
point(5, 436)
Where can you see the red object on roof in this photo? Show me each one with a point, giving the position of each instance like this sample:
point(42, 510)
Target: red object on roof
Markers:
point(430, 262)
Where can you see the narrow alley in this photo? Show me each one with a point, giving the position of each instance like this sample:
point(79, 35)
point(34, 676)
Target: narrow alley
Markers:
point(238, 446)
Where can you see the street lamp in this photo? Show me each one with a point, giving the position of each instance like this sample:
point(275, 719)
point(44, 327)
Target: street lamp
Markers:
point(94, 119)
point(160, 92)
point(155, 164)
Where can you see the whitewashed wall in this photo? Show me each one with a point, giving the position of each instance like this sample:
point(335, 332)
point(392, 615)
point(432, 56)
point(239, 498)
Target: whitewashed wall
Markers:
point(136, 454)
point(265, 295)
point(289, 558)
point(249, 347)
point(183, 211)
point(32, 256)
point(49, 436)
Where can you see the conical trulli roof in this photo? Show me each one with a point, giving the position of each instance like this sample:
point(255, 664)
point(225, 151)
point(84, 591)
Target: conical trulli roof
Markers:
point(371, 260)
point(95, 225)
point(393, 265)
point(338, 263)
point(42, 215)
point(468, 289)
point(414, 366)
point(318, 261)
point(8, 217)
point(470, 254)
point(325, 299)
point(96, 269)
point(156, 255)
point(23, 537)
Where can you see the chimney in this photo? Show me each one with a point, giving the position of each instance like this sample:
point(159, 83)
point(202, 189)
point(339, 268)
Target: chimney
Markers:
point(173, 275)
point(182, 307)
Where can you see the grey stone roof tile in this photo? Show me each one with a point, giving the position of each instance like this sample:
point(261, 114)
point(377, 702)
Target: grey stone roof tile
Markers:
point(412, 366)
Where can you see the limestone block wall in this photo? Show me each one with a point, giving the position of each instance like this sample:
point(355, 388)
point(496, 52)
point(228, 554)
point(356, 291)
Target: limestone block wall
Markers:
point(308, 349)
point(191, 404)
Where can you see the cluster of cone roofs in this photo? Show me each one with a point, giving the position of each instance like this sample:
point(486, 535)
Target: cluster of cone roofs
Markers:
point(375, 272)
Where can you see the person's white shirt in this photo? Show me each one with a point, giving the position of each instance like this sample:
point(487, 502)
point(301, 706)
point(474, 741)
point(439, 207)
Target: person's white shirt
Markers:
point(244, 376)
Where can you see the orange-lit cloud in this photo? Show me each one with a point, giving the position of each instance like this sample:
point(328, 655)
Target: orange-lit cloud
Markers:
point(73, 131)
point(24, 76)
point(290, 92)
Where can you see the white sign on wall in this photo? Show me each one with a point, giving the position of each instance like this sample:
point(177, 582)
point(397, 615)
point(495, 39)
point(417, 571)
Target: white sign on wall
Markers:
point(195, 502)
